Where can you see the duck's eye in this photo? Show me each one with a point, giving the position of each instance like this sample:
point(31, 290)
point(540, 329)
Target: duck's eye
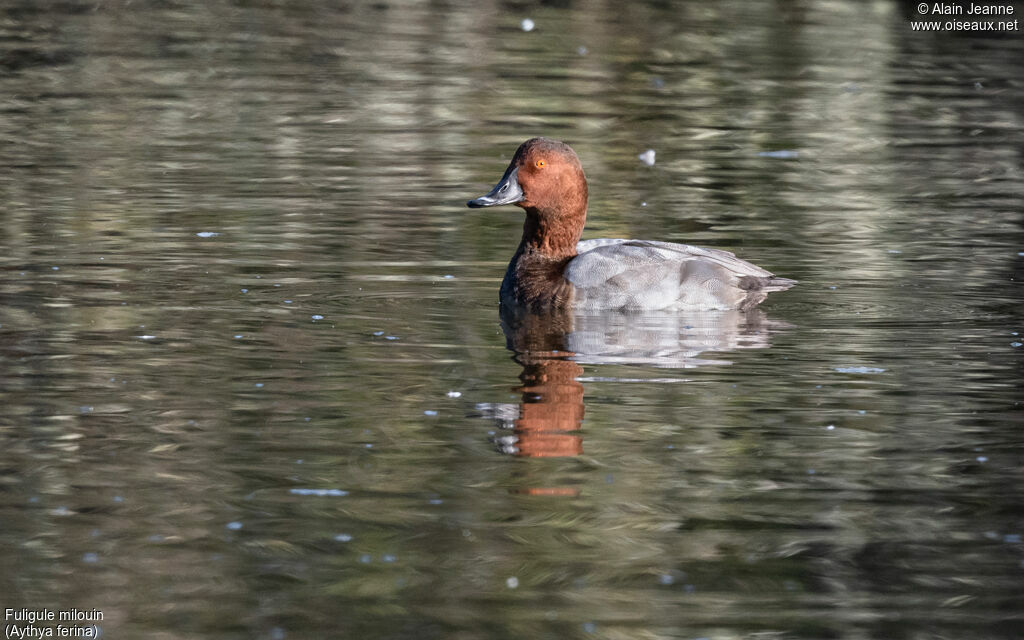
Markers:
point(540, 164)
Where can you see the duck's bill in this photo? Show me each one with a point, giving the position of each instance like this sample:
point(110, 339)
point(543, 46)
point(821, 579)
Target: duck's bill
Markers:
point(507, 191)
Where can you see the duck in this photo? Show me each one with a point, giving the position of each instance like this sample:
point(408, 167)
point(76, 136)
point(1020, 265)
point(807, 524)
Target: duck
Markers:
point(553, 269)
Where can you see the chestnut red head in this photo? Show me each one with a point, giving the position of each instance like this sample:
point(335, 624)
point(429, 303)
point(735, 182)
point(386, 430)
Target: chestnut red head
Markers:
point(545, 177)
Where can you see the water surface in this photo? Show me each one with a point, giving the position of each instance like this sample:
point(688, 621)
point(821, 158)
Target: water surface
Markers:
point(255, 383)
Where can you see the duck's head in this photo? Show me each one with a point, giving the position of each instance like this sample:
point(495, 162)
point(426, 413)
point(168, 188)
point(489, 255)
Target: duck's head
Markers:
point(545, 177)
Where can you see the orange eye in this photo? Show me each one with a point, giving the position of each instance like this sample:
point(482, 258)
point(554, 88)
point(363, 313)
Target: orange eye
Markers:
point(540, 164)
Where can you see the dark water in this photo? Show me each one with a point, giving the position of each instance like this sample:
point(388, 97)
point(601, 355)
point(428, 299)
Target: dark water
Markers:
point(254, 381)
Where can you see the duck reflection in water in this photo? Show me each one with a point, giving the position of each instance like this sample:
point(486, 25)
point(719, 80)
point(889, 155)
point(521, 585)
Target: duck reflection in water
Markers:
point(551, 346)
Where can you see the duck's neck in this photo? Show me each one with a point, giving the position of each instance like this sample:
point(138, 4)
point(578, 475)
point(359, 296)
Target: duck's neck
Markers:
point(551, 235)
point(535, 275)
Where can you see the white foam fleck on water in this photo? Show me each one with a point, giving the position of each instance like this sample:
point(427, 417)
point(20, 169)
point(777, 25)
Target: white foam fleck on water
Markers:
point(146, 337)
point(430, 412)
point(317, 316)
point(234, 526)
point(343, 537)
point(527, 24)
point(785, 154)
point(859, 369)
point(512, 582)
point(647, 157)
point(207, 234)
point(454, 394)
point(337, 493)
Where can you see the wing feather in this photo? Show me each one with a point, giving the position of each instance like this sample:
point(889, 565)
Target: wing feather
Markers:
point(646, 274)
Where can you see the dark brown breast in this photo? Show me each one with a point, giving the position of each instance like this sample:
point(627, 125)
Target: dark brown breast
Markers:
point(537, 282)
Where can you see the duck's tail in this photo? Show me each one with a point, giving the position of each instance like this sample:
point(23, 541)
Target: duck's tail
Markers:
point(758, 288)
point(777, 284)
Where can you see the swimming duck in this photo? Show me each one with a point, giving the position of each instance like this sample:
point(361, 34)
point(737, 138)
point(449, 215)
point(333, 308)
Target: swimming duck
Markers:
point(553, 269)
